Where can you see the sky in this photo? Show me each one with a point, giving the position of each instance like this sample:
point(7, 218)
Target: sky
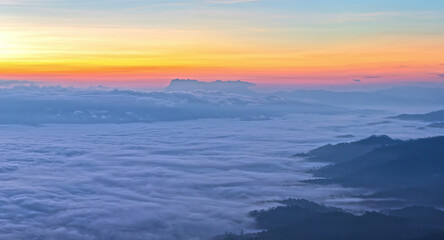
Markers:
point(149, 42)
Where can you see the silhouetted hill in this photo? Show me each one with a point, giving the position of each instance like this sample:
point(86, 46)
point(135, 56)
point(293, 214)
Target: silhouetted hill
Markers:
point(421, 94)
point(431, 236)
point(295, 211)
point(345, 136)
point(343, 152)
point(310, 221)
point(436, 116)
point(417, 165)
point(406, 96)
point(303, 203)
point(437, 125)
point(408, 170)
point(424, 215)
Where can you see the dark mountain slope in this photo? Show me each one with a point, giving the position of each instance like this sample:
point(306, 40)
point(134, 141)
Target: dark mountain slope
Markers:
point(316, 222)
point(411, 170)
point(347, 151)
point(436, 116)
point(408, 170)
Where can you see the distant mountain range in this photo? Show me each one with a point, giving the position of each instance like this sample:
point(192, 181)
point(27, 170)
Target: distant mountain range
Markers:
point(344, 152)
point(41, 105)
point(192, 99)
point(409, 170)
point(405, 96)
point(402, 96)
point(301, 219)
point(436, 116)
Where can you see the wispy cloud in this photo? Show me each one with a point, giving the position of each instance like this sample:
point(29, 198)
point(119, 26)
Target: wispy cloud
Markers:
point(231, 1)
point(372, 77)
point(16, 2)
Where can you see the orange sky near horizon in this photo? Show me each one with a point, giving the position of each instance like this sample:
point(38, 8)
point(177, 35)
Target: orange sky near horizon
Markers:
point(371, 50)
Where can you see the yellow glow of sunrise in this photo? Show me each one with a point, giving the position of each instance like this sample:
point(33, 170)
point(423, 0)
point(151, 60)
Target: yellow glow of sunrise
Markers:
point(7, 47)
point(34, 50)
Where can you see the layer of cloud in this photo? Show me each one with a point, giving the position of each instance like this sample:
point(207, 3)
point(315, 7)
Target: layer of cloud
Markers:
point(39, 105)
point(13, 83)
point(165, 180)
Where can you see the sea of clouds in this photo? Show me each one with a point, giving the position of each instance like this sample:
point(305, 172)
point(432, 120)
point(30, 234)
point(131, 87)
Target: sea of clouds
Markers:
point(165, 180)
point(103, 163)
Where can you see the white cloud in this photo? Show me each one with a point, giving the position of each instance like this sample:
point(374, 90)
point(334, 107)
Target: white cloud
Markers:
point(164, 180)
point(39, 105)
point(161, 181)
